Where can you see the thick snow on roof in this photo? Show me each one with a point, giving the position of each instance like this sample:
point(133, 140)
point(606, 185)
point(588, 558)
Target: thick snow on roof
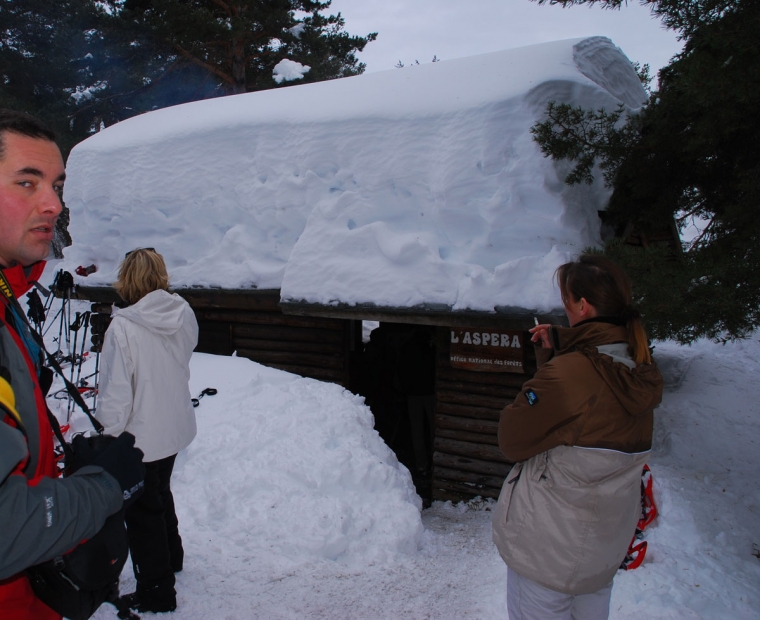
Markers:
point(412, 186)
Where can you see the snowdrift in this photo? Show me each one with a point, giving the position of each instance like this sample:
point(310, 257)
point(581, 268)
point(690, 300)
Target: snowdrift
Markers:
point(286, 471)
point(412, 186)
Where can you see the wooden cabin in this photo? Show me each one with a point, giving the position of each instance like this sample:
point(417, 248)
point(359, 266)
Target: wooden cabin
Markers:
point(473, 379)
point(414, 198)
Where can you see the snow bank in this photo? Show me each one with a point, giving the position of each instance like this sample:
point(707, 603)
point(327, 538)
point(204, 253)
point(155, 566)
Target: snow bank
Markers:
point(395, 188)
point(291, 467)
point(286, 471)
point(702, 557)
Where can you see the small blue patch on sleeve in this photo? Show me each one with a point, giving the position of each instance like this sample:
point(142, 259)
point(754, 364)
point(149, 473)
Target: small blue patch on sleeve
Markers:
point(531, 397)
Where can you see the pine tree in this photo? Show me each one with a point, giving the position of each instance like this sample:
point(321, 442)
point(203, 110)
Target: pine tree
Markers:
point(232, 46)
point(72, 64)
point(43, 47)
point(44, 53)
point(81, 65)
point(693, 152)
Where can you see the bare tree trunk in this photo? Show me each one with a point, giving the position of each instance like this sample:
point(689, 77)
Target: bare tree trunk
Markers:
point(238, 67)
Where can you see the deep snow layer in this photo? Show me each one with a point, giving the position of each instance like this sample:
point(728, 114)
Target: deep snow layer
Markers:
point(396, 188)
point(291, 507)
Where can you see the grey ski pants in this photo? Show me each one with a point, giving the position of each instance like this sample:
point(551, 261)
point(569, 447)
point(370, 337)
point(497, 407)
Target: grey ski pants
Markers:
point(527, 600)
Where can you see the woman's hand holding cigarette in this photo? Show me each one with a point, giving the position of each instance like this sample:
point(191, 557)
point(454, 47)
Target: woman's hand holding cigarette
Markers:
point(541, 332)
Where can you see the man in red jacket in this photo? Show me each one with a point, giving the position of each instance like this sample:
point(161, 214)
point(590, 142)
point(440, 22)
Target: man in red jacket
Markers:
point(42, 516)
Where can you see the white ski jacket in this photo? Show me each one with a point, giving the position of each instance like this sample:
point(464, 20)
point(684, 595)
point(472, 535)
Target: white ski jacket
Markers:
point(145, 372)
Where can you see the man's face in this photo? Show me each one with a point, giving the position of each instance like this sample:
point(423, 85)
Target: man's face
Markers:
point(31, 180)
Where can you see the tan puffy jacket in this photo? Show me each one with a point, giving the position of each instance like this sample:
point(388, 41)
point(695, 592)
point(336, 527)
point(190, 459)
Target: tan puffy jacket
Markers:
point(582, 430)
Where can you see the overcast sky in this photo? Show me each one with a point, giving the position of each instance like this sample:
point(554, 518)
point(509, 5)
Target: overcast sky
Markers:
point(410, 30)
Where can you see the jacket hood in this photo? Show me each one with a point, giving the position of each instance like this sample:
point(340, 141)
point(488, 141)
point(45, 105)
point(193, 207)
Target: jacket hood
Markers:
point(159, 311)
point(639, 389)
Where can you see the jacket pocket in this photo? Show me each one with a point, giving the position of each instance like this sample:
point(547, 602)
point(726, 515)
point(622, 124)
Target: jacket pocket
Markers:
point(501, 514)
point(539, 470)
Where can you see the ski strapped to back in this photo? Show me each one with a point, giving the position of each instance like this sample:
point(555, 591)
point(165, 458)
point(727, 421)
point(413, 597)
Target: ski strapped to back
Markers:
point(638, 548)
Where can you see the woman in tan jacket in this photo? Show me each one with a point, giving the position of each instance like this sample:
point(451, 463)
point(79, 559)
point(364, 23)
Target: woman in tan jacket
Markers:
point(580, 432)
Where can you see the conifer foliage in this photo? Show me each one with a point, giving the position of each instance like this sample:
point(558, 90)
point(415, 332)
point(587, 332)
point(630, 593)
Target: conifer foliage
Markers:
point(236, 44)
point(43, 49)
point(692, 155)
point(85, 64)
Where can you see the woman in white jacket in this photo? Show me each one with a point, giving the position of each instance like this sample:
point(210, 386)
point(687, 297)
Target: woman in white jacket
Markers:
point(144, 390)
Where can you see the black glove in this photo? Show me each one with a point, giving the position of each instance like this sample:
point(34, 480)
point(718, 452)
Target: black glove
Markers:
point(124, 462)
point(85, 449)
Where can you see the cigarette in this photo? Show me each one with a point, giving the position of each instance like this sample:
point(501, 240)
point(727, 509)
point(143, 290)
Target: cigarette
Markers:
point(535, 320)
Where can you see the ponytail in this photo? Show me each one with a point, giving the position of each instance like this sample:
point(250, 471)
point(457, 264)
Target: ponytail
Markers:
point(607, 288)
point(639, 343)
point(637, 336)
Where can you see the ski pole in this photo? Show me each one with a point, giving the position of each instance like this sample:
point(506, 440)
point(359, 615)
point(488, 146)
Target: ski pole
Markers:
point(85, 325)
point(75, 328)
point(52, 322)
point(96, 381)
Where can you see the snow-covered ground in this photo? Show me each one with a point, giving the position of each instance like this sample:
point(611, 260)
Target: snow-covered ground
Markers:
point(291, 506)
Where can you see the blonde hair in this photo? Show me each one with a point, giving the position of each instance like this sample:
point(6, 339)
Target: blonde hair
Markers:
point(141, 272)
point(607, 288)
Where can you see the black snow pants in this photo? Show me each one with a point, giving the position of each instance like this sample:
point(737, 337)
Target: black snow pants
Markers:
point(154, 541)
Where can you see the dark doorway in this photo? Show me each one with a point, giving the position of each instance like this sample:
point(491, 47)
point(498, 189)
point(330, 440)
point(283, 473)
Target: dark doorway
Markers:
point(397, 380)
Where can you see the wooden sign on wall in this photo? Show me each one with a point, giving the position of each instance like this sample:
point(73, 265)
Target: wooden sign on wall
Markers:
point(487, 350)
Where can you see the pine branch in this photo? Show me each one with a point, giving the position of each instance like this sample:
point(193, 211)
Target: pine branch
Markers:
point(205, 65)
point(116, 96)
point(584, 137)
point(225, 7)
point(704, 236)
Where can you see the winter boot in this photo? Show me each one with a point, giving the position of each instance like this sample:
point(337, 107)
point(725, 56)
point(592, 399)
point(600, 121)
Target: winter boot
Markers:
point(156, 599)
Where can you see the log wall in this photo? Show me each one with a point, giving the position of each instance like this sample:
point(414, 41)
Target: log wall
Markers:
point(466, 458)
point(251, 322)
point(254, 326)
point(467, 461)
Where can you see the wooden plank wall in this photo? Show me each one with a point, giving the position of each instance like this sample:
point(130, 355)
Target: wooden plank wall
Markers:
point(467, 461)
point(256, 328)
point(252, 323)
